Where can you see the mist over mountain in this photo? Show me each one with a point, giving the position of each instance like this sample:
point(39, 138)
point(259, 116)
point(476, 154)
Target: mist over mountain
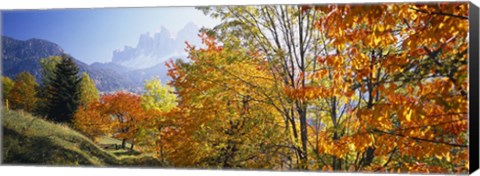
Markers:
point(156, 48)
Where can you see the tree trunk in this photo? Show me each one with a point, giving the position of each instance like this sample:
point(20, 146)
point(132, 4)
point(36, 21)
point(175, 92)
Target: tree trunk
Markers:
point(303, 135)
point(124, 141)
point(369, 153)
point(333, 114)
point(131, 145)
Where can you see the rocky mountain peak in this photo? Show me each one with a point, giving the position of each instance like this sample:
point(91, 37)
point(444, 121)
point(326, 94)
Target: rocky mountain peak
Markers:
point(157, 48)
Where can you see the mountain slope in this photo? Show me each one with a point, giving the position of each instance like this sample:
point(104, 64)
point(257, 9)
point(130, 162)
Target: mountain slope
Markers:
point(31, 140)
point(18, 56)
point(157, 71)
point(110, 66)
point(107, 79)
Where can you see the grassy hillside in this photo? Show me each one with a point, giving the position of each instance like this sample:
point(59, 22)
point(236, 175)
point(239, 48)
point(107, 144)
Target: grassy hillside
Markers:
point(30, 140)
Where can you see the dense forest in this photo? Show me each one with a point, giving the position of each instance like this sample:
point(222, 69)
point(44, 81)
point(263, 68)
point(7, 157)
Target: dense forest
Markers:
point(357, 88)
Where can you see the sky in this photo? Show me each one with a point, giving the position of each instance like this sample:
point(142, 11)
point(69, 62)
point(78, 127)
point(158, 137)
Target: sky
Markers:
point(91, 35)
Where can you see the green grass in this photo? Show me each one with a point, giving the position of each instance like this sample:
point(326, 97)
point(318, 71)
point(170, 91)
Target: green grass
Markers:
point(30, 140)
point(111, 142)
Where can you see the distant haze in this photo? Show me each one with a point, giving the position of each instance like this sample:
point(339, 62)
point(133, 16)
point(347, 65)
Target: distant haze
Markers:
point(155, 48)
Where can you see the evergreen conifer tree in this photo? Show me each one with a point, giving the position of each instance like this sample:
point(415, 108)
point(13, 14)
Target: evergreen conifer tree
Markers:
point(64, 92)
point(48, 66)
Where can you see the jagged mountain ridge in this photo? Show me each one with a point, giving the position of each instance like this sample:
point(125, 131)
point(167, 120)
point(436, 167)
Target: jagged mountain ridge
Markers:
point(156, 48)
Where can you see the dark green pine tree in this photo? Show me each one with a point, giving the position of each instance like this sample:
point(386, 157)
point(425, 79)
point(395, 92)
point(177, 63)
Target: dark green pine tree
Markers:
point(64, 92)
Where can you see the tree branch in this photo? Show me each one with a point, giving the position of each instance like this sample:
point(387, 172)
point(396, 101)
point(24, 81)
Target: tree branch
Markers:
point(440, 13)
point(421, 139)
point(389, 159)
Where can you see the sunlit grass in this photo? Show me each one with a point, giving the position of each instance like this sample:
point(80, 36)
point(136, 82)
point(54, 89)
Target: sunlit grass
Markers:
point(32, 140)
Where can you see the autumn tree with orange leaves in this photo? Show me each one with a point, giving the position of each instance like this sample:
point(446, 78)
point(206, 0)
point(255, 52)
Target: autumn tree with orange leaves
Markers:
point(23, 93)
point(225, 115)
point(90, 120)
point(378, 87)
point(119, 114)
point(126, 113)
point(409, 71)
